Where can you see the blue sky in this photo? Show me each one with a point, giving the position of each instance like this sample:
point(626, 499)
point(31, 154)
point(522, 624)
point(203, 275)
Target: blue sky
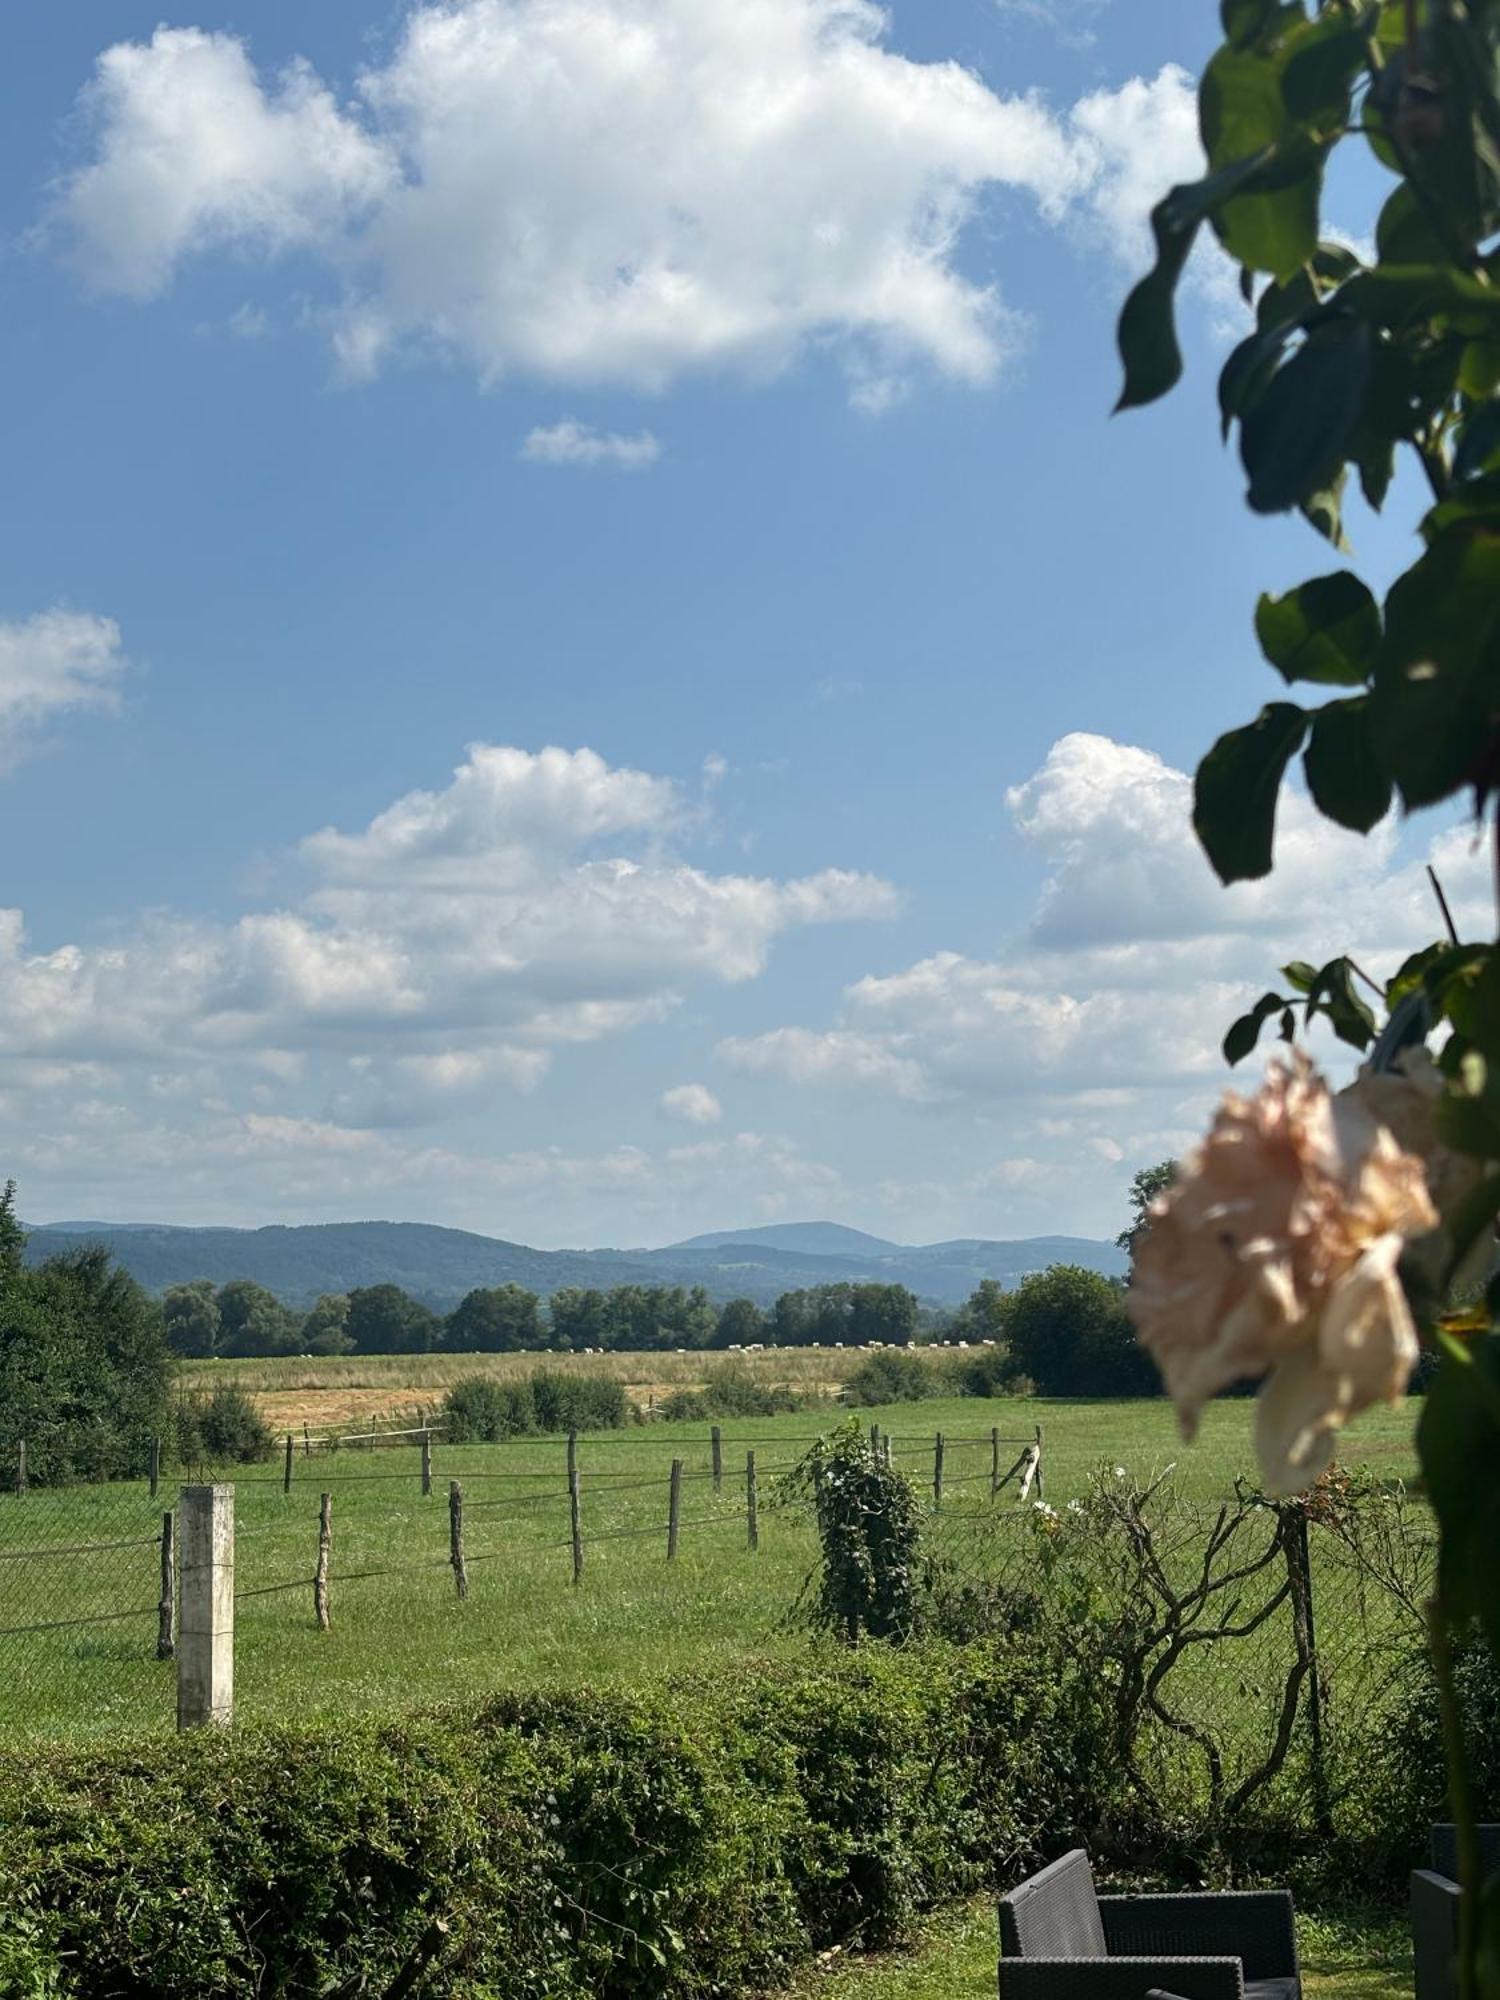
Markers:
point(720, 392)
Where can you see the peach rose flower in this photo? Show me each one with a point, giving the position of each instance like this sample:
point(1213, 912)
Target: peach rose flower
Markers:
point(1405, 1101)
point(1274, 1254)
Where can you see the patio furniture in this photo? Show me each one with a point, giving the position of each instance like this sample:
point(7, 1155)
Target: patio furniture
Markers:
point(1060, 1940)
point(1435, 1897)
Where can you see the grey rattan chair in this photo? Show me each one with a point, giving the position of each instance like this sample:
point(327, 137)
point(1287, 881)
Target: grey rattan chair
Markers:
point(1059, 1940)
point(1435, 1896)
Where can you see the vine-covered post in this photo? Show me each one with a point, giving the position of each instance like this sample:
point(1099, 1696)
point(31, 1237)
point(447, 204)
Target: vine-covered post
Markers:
point(937, 1470)
point(456, 1538)
point(752, 1512)
point(166, 1606)
point(325, 1554)
point(716, 1449)
point(674, 1509)
point(286, 1470)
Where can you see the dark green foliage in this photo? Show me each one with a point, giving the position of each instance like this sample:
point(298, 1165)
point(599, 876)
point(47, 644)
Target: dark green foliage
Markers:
point(895, 1375)
point(1145, 1186)
point(326, 1328)
point(190, 1314)
point(85, 1372)
point(494, 1319)
point(741, 1324)
point(481, 1411)
point(984, 1371)
point(730, 1390)
point(385, 1320)
point(253, 1320)
point(224, 1428)
point(578, 1402)
point(847, 1315)
point(870, 1575)
point(1070, 1334)
point(694, 1841)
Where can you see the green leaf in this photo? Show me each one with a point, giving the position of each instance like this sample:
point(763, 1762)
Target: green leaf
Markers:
point(1437, 682)
point(1468, 1222)
point(1248, 369)
point(1273, 227)
point(1478, 443)
point(1335, 995)
point(1245, 1032)
point(1300, 975)
point(1324, 510)
point(1245, 21)
point(1320, 70)
point(1399, 295)
point(1294, 437)
point(1458, 1441)
point(1300, 300)
point(1326, 630)
point(1147, 333)
point(1234, 794)
point(1404, 233)
point(1347, 781)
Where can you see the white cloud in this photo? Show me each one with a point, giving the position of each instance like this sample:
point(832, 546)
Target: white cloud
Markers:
point(53, 662)
point(1135, 962)
point(693, 1103)
point(573, 443)
point(613, 190)
point(195, 151)
point(448, 949)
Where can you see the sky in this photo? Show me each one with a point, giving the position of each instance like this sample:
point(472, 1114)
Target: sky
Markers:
point(580, 655)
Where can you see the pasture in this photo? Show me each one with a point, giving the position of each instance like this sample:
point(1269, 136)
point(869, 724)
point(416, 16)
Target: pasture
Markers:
point(399, 1633)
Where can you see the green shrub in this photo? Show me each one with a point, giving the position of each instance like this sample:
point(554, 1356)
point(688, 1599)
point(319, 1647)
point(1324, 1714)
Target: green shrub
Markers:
point(732, 1391)
point(578, 1402)
point(222, 1429)
point(477, 1410)
point(983, 1371)
point(690, 1841)
point(894, 1375)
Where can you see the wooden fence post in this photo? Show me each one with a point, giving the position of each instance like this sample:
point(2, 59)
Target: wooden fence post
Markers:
point(154, 1473)
point(575, 1514)
point(286, 1470)
point(752, 1517)
point(166, 1610)
point(994, 1461)
point(21, 1468)
point(1038, 1461)
point(205, 1626)
point(674, 1509)
point(306, 1440)
point(572, 1455)
point(937, 1470)
point(716, 1444)
point(325, 1550)
point(875, 1443)
point(456, 1537)
point(885, 1445)
point(426, 1462)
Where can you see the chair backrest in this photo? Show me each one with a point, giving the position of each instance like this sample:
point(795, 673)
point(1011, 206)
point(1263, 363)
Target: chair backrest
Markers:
point(1445, 1849)
point(1054, 1914)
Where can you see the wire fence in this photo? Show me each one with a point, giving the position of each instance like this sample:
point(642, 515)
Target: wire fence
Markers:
point(438, 1568)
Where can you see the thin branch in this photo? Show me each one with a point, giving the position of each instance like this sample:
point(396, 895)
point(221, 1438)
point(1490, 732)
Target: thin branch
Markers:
point(1437, 890)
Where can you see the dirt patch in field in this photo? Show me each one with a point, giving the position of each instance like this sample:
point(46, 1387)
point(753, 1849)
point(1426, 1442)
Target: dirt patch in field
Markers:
point(326, 1409)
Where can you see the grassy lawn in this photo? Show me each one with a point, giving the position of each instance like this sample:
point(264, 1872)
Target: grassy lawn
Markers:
point(401, 1636)
point(954, 1958)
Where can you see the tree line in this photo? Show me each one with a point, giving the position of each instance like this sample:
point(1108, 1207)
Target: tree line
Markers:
point(242, 1318)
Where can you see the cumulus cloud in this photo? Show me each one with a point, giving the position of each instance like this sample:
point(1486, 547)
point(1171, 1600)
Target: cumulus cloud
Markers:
point(693, 1103)
point(1135, 961)
point(573, 443)
point(613, 190)
point(52, 662)
point(447, 949)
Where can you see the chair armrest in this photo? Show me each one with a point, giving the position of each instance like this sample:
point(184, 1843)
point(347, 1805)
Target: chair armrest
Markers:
point(1120, 1978)
point(1434, 1934)
point(1256, 1926)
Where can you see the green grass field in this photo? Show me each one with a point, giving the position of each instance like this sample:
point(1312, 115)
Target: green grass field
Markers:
point(403, 1637)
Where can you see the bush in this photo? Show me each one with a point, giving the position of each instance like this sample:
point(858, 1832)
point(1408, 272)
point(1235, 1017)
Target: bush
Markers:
point(222, 1429)
point(984, 1371)
point(894, 1375)
point(732, 1391)
point(578, 1402)
point(479, 1410)
point(693, 1841)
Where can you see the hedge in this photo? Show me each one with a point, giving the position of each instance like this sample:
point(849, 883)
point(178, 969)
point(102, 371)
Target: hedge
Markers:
point(694, 1840)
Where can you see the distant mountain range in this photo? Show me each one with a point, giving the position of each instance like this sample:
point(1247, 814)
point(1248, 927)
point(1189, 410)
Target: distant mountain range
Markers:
point(439, 1265)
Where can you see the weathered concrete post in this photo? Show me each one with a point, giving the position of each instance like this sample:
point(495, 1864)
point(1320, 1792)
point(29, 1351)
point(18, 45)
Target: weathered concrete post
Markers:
point(205, 1624)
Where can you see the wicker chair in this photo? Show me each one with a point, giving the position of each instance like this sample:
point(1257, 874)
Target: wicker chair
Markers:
point(1059, 1940)
point(1435, 1898)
